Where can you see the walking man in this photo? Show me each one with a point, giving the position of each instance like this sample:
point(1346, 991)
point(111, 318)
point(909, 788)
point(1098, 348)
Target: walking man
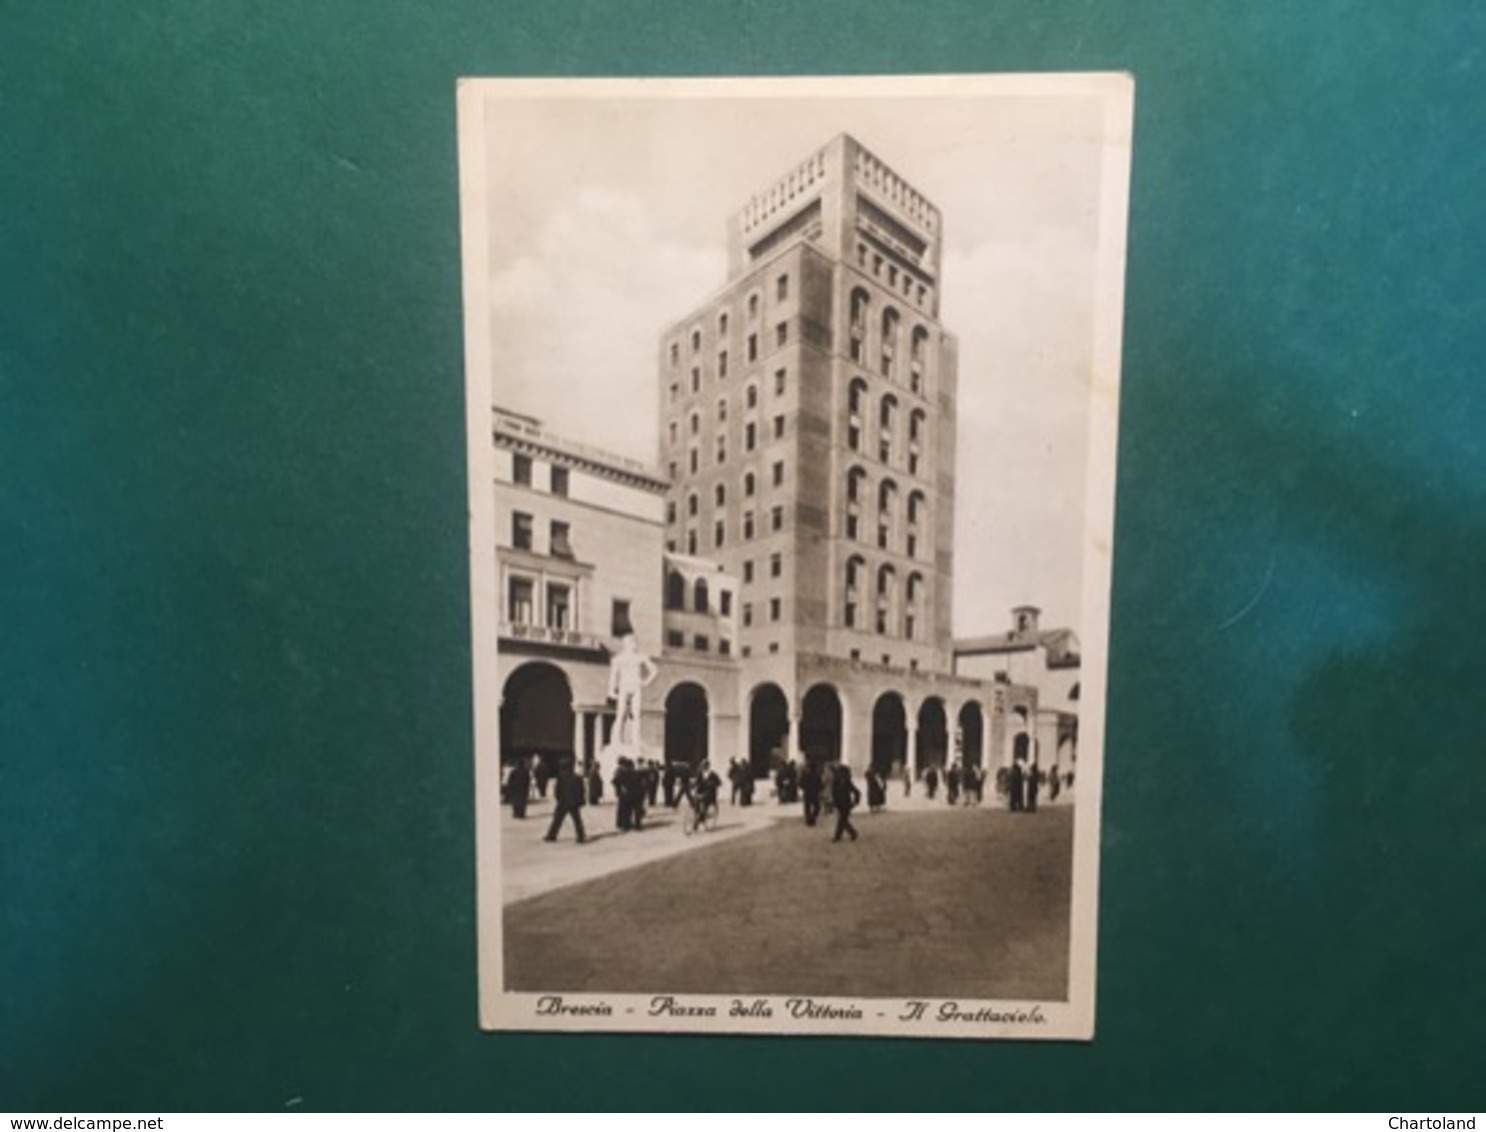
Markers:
point(568, 794)
point(810, 788)
point(846, 796)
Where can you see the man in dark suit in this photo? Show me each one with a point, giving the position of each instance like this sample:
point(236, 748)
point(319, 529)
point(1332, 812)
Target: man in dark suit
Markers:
point(518, 787)
point(810, 785)
point(568, 795)
point(845, 796)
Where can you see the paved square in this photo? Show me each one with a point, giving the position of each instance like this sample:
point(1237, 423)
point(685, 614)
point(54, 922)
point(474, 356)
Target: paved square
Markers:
point(965, 903)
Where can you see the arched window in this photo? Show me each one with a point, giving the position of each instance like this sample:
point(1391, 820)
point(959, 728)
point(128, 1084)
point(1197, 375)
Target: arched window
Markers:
point(854, 567)
point(856, 396)
point(691, 503)
point(918, 345)
point(854, 480)
point(722, 408)
point(915, 506)
point(752, 396)
point(888, 412)
point(748, 483)
point(861, 302)
point(675, 590)
point(916, 421)
point(887, 495)
point(695, 423)
point(886, 577)
point(699, 596)
point(915, 588)
point(889, 340)
point(721, 495)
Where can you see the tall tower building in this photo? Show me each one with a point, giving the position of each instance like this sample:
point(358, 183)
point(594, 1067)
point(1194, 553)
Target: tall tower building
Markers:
point(807, 430)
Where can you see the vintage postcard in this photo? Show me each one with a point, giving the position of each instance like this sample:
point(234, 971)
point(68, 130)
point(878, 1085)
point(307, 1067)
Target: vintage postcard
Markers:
point(792, 409)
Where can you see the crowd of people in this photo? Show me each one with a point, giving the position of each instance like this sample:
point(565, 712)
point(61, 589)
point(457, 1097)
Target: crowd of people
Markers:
point(640, 785)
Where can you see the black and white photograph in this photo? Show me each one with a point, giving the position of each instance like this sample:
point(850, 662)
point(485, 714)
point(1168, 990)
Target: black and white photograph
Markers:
point(792, 412)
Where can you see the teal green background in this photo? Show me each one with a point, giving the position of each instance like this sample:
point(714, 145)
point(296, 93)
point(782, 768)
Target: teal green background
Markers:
point(235, 733)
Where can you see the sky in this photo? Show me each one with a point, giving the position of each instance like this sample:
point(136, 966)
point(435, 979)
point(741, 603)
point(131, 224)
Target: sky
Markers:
point(607, 220)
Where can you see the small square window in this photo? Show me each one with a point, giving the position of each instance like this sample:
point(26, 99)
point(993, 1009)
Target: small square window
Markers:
point(745, 652)
point(701, 643)
point(561, 546)
point(725, 647)
point(675, 639)
point(773, 647)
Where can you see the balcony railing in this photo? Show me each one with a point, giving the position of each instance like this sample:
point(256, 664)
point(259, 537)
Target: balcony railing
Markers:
point(543, 634)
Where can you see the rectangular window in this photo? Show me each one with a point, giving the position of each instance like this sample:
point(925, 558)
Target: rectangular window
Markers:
point(773, 647)
point(675, 392)
point(745, 652)
point(670, 511)
point(521, 469)
point(776, 518)
point(851, 614)
point(856, 654)
point(781, 334)
point(778, 473)
point(522, 528)
point(753, 347)
point(781, 288)
point(691, 542)
point(779, 382)
point(696, 379)
point(693, 459)
point(750, 437)
point(675, 352)
point(725, 647)
point(717, 534)
point(725, 603)
point(619, 622)
point(747, 614)
point(558, 606)
point(722, 450)
point(881, 537)
point(519, 607)
point(722, 363)
point(675, 639)
point(748, 524)
point(776, 565)
point(912, 546)
point(882, 623)
point(776, 607)
point(559, 480)
point(671, 471)
point(851, 526)
point(701, 643)
point(778, 427)
point(722, 323)
point(748, 571)
point(561, 533)
point(913, 463)
point(854, 438)
point(908, 627)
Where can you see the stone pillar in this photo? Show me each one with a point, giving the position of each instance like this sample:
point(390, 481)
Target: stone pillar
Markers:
point(792, 748)
point(578, 752)
point(913, 751)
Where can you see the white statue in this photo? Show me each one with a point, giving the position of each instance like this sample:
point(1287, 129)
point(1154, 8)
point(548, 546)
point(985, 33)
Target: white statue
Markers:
point(629, 673)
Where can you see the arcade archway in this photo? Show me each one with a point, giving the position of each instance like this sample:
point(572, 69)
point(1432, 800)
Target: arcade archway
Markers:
point(933, 734)
point(972, 735)
point(686, 724)
point(820, 725)
point(768, 728)
point(889, 732)
point(536, 714)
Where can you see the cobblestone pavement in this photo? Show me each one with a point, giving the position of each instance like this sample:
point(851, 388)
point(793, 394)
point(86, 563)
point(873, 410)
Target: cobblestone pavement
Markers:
point(934, 903)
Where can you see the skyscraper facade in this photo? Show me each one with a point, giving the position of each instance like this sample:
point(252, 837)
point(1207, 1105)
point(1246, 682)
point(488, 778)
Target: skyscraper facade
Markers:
point(807, 431)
